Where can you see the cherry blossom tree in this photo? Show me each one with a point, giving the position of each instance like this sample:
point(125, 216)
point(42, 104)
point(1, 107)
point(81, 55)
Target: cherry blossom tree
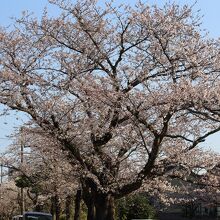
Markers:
point(8, 200)
point(44, 173)
point(128, 93)
point(186, 183)
point(56, 177)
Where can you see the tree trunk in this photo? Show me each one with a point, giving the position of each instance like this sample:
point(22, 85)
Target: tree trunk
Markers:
point(69, 203)
point(105, 207)
point(57, 206)
point(77, 205)
point(100, 206)
point(91, 211)
point(52, 209)
point(89, 201)
point(55, 209)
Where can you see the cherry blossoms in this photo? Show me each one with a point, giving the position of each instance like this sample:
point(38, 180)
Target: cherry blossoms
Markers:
point(128, 94)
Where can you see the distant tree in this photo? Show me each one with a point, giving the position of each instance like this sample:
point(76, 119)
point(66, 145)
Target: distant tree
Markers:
point(46, 176)
point(9, 203)
point(127, 93)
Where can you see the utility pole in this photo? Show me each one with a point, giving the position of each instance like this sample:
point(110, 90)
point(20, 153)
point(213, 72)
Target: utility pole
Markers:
point(1, 186)
point(1, 173)
point(22, 162)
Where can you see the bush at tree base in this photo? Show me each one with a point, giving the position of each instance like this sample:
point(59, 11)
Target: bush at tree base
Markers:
point(134, 206)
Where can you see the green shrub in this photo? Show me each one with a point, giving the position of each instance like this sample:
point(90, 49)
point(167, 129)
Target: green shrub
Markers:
point(63, 217)
point(134, 206)
point(22, 181)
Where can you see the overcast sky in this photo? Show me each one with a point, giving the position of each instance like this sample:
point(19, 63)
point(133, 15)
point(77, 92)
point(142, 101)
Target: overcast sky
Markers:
point(13, 8)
